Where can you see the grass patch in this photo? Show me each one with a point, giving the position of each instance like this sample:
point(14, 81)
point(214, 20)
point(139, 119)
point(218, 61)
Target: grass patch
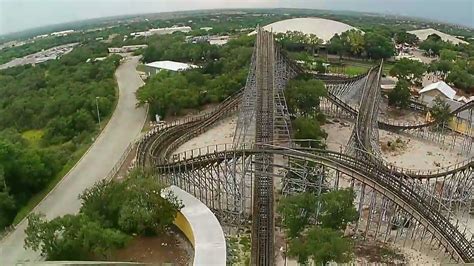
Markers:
point(355, 70)
point(141, 68)
point(33, 136)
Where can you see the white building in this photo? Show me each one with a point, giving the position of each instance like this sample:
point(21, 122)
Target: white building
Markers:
point(160, 31)
point(464, 99)
point(126, 48)
point(62, 33)
point(218, 40)
point(424, 33)
point(324, 29)
point(438, 89)
point(155, 67)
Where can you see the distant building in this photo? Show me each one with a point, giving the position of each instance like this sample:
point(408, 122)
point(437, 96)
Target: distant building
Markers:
point(213, 40)
point(197, 39)
point(464, 99)
point(206, 28)
point(126, 49)
point(40, 36)
point(424, 33)
point(161, 31)
point(218, 40)
point(62, 33)
point(155, 67)
point(324, 29)
point(408, 56)
point(462, 122)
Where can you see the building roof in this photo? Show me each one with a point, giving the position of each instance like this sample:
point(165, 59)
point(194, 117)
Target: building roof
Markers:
point(324, 29)
point(424, 33)
point(170, 65)
point(442, 87)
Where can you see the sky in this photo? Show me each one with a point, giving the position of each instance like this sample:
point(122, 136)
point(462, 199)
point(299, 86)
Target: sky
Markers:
point(17, 15)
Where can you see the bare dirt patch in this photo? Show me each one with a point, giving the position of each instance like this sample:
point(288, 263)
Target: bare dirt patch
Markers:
point(377, 252)
point(171, 248)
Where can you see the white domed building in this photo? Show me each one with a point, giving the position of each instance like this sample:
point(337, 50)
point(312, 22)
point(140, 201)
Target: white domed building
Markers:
point(324, 29)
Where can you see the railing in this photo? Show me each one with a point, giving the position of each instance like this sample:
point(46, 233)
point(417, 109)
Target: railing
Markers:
point(426, 205)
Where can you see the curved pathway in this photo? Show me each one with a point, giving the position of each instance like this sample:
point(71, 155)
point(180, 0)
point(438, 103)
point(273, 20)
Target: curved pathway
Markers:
point(124, 126)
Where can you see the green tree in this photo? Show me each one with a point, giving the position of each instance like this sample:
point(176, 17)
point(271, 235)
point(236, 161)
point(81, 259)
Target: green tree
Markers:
point(71, 237)
point(409, 70)
point(434, 44)
point(313, 42)
point(310, 128)
point(400, 95)
point(337, 209)
point(337, 46)
point(321, 245)
point(461, 78)
point(442, 66)
point(405, 37)
point(134, 205)
point(303, 96)
point(296, 212)
point(324, 242)
point(7, 202)
point(440, 110)
point(448, 55)
point(355, 40)
point(378, 46)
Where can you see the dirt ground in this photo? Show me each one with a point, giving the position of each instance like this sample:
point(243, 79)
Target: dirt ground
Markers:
point(221, 133)
point(415, 153)
point(172, 248)
point(376, 252)
point(390, 113)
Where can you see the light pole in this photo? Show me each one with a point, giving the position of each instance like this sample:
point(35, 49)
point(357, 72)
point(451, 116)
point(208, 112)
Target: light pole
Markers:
point(97, 106)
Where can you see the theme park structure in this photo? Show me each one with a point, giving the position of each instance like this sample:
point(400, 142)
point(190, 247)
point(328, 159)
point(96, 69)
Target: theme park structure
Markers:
point(239, 181)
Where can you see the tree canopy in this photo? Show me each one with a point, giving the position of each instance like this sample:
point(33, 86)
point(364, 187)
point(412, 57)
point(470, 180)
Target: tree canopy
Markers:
point(378, 46)
point(400, 95)
point(374, 44)
point(224, 71)
point(434, 44)
point(47, 114)
point(303, 95)
point(321, 242)
point(409, 70)
point(405, 37)
point(440, 111)
point(111, 212)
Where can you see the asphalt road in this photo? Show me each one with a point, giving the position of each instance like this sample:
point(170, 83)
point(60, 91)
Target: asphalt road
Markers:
point(124, 126)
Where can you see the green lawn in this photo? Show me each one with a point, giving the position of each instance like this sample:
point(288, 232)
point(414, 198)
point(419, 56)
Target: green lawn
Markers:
point(33, 136)
point(354, 68)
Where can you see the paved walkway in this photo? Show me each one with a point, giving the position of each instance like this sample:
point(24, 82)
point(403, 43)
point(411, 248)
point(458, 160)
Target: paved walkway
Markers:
point(123, 127)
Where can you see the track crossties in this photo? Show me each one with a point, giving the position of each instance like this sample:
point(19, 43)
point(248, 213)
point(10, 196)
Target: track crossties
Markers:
point(263, 224)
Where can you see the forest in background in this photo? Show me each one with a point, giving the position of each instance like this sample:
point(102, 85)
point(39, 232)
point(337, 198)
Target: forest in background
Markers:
point(47, 118)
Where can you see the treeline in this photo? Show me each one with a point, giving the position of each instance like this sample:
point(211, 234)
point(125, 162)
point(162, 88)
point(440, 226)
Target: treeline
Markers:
point(374, 45)
point(47, 113)
point(223, 72)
